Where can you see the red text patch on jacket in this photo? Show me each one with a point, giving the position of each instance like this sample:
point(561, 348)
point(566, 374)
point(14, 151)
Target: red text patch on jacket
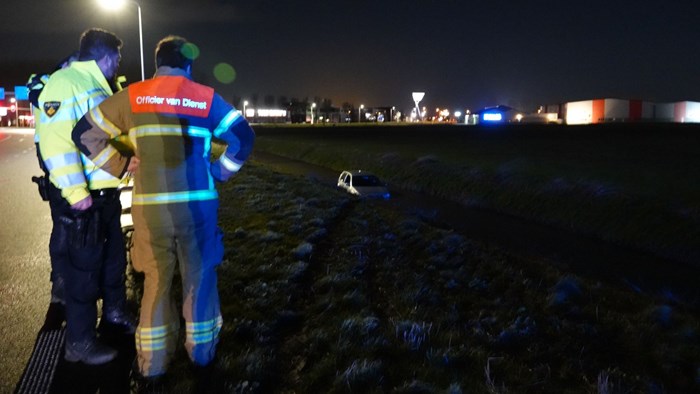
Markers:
point(171, 95)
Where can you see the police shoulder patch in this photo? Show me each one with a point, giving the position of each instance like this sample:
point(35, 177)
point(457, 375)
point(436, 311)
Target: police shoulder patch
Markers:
point(51, 107)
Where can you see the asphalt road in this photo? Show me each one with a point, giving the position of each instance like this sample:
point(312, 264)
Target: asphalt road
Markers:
point(24, 258)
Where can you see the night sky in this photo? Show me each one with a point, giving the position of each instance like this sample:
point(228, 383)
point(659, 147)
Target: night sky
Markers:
point(463, 54)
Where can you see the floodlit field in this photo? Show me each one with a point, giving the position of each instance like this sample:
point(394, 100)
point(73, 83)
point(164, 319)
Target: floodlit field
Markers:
point(322, 292)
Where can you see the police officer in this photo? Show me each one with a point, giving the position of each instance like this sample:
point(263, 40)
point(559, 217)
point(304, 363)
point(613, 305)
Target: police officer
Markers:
point(89, 204)
point(58, 251)
point(172, 120)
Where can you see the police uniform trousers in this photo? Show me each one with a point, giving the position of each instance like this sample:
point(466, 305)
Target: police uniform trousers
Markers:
point(95, 268)
point(58, 244)
point(165, 236)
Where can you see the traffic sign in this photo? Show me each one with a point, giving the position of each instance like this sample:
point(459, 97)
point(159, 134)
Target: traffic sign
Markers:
point(21, 93)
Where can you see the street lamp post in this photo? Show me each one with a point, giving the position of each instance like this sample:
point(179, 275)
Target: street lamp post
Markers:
point(143, 74)
point(245, 104)
point(313, 105)
point(117, 4)
point(359, 111)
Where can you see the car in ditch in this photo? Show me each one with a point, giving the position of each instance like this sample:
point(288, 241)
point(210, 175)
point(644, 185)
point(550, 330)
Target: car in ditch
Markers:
point(363, 184)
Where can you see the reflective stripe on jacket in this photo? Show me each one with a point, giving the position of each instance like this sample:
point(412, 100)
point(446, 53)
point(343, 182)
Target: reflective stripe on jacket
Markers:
point(67, 96)
point(169, 121)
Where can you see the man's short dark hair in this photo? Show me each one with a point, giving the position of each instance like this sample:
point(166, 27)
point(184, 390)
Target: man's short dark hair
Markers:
point(96, 43)
point(171, 51)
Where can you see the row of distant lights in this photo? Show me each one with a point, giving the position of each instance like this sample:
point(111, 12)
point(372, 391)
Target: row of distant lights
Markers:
point(442, 114)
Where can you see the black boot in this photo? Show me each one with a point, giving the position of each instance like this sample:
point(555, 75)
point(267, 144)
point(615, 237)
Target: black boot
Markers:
point(90, 352)
point(120, 319)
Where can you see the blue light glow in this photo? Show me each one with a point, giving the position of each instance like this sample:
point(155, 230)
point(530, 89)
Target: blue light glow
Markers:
point(493, 116)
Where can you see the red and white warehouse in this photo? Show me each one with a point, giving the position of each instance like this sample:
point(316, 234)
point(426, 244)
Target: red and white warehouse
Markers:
point(620, 110)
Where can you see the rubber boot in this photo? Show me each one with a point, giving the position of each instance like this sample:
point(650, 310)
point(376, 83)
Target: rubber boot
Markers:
point(121, 319)
point(90, 352)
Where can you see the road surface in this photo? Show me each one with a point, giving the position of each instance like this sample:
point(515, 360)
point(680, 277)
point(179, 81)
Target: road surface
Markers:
point(24, 255)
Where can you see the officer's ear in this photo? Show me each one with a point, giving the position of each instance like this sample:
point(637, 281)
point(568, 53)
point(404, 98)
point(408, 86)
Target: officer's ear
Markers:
point(103, 62)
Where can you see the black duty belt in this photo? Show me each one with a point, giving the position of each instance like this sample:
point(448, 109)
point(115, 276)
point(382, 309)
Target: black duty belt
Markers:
point(105, 193)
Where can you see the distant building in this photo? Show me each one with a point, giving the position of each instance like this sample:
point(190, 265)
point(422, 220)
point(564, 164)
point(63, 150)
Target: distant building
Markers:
point(266, 115)
point(608, 110)
point(493, 115)
point(680, 112)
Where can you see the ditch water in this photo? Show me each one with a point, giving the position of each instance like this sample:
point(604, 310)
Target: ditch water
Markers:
point(586, 256)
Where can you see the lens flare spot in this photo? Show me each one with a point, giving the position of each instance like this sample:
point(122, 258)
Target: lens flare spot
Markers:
point(224, 73)
point(190, 51)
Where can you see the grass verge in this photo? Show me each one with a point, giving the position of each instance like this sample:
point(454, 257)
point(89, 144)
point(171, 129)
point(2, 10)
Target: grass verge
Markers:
point(324, 293)
point(633, 184)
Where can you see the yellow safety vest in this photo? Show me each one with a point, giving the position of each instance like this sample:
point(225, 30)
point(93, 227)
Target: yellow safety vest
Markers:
point(68, 95)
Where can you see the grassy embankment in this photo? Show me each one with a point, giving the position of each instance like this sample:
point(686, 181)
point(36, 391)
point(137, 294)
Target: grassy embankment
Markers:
point(634, 184)
point(324, 293)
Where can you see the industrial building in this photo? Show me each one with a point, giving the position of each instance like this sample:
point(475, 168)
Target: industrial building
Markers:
point(619, 110)
point(606, 110)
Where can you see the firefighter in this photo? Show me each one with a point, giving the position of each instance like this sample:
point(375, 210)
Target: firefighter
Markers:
point(58, 251)
point(86, 199)
point(171, 122)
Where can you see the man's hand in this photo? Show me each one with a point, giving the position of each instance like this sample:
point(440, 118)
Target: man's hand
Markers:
point(133, 164)
point(83, 204)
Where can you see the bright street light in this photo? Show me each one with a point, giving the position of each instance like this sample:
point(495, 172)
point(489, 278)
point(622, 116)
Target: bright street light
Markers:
point(119, 4)
point(313, 105)
point(362, 106)
point(245, 104)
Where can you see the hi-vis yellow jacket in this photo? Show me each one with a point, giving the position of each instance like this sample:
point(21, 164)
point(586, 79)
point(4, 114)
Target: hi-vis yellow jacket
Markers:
point(36, 84)
point(68, 95)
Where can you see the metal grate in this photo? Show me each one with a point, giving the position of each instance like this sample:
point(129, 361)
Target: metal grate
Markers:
point(40, 370)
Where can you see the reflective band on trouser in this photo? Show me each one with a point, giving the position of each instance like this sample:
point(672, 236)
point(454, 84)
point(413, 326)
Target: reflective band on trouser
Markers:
point(201, 250)
point(202, 333)
point(156, 336)
point(149, 339)
point(202, 337)
point(155, 347)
